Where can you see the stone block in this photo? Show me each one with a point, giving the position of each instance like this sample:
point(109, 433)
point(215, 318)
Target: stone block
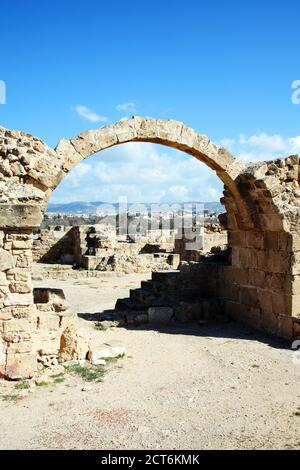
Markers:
point(269, 322)
point(23, 312)
point(296, 328)
point(234, 310)
point(254, 239)
point(18, 300)
point(21, 244)
point(236, 238)
point(235, 275)
point(249, 296)
point(48, 322)
point(285, 326)
point(21, 366)
point(160, 315)
point(19, 348)
point(17, 216)
point(257, 278)
point(279, 303)
point(104, 352)
point(107, 137)
point(295, 242)
point(20, 287)
point(265, 300)
point(285, 241)
point(6, 260)
point(17, 325)
point(5, 313)
point(72, 345)
point(293, 305)
point(229, 291)
point(271, 241)
point(295, 284)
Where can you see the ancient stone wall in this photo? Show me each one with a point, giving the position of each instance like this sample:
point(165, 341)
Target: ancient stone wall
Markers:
point(51, 246)
point(17, 359)
point(214, 237)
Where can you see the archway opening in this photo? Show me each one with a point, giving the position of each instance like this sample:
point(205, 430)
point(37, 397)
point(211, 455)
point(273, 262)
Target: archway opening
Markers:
point(121, 224)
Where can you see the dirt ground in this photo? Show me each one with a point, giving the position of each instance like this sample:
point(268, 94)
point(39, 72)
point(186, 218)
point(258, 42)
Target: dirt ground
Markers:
point(208, 387)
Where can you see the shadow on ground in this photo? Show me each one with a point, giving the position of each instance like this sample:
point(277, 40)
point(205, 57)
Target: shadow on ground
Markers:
point(224, 330)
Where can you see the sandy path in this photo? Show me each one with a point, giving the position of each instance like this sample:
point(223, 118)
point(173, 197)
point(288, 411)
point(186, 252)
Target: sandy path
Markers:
point(194, 388)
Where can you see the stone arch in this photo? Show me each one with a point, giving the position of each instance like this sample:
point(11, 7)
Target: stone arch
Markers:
point(169, 133)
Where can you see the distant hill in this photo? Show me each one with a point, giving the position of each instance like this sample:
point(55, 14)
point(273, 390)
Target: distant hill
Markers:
point(81, 207)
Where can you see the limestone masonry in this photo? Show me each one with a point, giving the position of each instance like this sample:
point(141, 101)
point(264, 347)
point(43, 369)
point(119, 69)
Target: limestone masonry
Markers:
point(258, 282)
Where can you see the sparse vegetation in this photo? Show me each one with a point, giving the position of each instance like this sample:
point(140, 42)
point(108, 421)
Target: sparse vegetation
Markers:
point(57, 376)
point(87, 372)
point(42, 384)
point(99, 326)
point(10, 397)
point(58, 380)
point(22, 386)
point(114, 359)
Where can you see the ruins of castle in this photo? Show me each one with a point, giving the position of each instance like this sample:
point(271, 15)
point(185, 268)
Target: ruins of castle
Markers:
point(255, 281)
point(99, 248)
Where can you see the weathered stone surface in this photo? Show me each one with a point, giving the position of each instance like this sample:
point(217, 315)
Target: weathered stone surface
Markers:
point(6, 260)
point(18, 216)
point(114, 349)
point(72, 345)
point(161, 315)
point(21, 366)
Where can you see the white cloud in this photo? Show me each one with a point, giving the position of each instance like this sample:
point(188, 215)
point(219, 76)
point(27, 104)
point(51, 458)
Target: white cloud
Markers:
point(262, 146)
point(75, 177)
point(179, 192)
point(89, 115)
point(143, 172)
point(127, 107)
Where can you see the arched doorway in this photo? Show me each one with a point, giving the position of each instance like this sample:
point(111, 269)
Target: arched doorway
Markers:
point(258, 285)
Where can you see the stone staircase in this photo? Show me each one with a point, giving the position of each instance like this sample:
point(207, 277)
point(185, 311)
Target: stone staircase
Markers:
point(162, 299)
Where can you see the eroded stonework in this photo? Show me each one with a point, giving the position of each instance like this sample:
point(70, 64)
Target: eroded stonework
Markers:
point(261, 284)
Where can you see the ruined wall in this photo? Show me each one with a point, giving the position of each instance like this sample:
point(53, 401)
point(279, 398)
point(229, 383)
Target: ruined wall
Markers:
point(115, 254)
point(262, 285)
point(51, 246)
point(214, 237)
point(17, 358)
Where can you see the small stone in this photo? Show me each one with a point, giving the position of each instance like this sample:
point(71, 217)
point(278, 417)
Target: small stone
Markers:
point(105, 352)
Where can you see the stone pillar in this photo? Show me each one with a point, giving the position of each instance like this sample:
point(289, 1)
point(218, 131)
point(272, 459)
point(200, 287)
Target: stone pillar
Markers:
point(17, 360)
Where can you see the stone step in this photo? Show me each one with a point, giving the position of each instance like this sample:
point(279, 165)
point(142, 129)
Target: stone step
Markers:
point(153, 286)
point(130, 304)
point(165, 276)
point(136, 318)
point(125, 317)
point(144, 296)
point(112, 315)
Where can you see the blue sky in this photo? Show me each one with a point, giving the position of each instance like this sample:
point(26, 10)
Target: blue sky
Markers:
point(225, 69)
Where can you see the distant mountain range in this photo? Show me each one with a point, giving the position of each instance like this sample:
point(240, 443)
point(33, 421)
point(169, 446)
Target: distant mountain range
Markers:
point(89, 208)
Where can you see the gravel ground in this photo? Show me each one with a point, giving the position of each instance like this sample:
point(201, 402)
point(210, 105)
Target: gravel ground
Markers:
point(211, 387)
